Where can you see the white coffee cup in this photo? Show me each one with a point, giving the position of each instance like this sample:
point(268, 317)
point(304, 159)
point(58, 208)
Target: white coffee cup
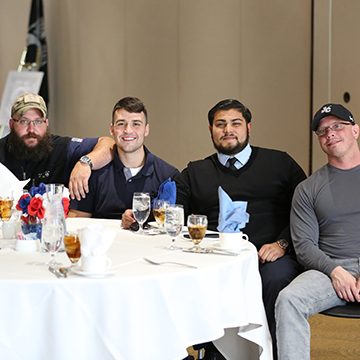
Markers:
point(8, 230)
point(27, 245)
point(233, 240)
point(95, 264)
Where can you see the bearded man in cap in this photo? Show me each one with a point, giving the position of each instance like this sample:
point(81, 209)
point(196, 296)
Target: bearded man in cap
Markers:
point(31, 151)
point(325, 231)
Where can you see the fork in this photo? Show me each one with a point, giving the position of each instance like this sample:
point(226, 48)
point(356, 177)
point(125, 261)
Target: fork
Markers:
point(168, 262)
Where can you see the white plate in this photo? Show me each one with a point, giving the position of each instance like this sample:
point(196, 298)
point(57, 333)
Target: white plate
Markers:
point(78, 271)
point(216, 245)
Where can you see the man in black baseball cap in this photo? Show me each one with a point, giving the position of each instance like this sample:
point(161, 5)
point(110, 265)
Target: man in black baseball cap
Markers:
point(325, 229)
point(334, 110)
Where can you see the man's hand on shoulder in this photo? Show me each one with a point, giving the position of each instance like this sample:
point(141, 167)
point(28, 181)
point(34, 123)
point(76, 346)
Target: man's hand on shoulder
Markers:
point(345, 284)
point(78, 183)
point(270, 252)
point(127, 219)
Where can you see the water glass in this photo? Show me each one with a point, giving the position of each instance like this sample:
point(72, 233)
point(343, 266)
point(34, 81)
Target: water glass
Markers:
point(174, 220)
point(141, 208)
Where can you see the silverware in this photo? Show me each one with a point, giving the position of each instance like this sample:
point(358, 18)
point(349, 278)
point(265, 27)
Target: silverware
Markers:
point(211, 251)
point(169, 262)
point(221, 251)
point(58, 274)
point(64, 271)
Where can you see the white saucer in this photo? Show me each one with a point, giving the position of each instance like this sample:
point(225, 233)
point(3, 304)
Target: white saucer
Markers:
point(78, 271)
point(153, 224)
point(216, 245)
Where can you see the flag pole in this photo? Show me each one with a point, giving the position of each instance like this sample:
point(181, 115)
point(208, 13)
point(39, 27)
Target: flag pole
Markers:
point(34, 66)
point(22, 59)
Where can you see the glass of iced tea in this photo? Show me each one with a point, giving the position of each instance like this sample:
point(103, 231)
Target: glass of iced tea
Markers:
point(5, 208)
point(197, 226)
point(72, 247)
point(159, 207)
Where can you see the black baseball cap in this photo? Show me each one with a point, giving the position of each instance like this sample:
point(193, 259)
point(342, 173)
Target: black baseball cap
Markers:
point(332, 109)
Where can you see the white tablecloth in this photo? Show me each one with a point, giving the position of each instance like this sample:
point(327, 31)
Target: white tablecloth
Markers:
point(140, 312)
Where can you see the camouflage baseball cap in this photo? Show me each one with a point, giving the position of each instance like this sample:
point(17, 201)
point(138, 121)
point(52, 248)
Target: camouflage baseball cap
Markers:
point(26, 102)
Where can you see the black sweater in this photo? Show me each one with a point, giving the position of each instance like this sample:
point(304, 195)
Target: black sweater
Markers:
point(267, 182)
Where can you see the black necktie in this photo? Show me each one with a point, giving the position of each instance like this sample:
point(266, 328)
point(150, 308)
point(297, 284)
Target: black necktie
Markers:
point(231, 162)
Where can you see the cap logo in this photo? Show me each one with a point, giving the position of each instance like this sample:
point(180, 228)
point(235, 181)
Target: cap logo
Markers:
point(31, 98)
point(326, 109)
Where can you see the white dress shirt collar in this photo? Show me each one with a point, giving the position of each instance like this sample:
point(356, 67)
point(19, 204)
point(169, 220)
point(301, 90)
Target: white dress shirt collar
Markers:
point(242, 157)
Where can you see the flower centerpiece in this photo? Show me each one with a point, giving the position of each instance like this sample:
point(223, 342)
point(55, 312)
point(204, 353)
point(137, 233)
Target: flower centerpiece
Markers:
point(33, 205)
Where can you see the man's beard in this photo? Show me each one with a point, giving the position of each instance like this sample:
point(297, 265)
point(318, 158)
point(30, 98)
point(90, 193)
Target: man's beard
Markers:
point(17, 146)
point(232, 150)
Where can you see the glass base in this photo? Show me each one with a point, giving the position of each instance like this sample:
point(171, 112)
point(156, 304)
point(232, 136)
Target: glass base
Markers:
point(173, 247)
point(196, 248)
point(52, 263)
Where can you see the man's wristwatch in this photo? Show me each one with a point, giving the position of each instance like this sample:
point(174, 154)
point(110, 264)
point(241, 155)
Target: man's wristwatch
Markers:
point(86, 160)
point(283, 244)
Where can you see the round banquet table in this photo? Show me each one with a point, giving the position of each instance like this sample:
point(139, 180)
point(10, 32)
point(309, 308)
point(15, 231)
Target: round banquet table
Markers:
point(138, 311)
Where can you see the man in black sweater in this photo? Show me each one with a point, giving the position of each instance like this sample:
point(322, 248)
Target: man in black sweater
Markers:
point(265, 178)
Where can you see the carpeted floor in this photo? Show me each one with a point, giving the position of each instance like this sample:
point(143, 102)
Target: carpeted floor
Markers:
point(334, 338)
point(331, 338)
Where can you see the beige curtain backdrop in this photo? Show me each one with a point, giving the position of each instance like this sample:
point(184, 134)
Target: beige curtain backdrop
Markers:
point(180, 57)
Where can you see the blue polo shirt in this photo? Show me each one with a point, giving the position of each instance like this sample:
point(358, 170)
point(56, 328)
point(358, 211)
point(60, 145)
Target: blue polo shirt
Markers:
point(110, 194)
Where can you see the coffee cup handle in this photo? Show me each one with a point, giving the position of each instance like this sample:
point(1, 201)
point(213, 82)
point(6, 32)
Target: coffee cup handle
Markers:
point(108, 262)
point(245, 237)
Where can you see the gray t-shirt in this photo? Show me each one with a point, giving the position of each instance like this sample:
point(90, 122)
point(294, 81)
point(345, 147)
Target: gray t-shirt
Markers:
point(325, 218)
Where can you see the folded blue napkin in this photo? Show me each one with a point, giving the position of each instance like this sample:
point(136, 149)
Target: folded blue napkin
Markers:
point(232, 214)
point(167, 191)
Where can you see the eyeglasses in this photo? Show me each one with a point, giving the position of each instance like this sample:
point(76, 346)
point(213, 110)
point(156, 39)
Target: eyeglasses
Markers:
point(334, 127)
point(25, 122)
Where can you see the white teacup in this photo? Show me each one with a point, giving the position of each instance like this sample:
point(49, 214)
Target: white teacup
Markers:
point(8, 230)
point(27, 245)
point(95, 264)
point(233, 240)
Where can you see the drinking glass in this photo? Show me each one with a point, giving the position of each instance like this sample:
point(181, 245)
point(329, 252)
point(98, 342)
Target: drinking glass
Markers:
point(72, 247)
point(6, 208)
point(197, 226)
point(52, 237)
point(174, 220)
point(141, 208)
point(54, 194)
point(159, 207)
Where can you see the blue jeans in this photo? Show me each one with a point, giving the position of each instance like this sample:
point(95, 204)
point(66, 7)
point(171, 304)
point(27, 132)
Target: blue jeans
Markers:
point(308, 294)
